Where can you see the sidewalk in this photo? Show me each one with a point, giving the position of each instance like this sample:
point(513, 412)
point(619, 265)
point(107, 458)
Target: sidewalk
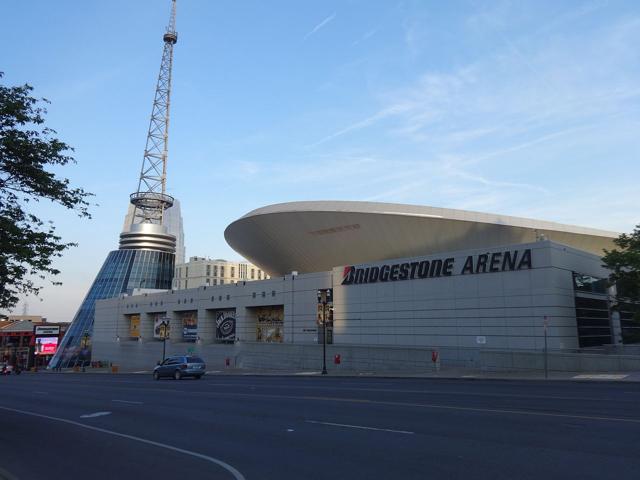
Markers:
point(444, 373)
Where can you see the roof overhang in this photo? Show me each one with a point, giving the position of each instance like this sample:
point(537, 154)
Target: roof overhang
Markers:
point(317, 236)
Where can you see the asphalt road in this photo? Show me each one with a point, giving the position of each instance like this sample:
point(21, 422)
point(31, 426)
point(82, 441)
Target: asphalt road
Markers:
point(61, 426)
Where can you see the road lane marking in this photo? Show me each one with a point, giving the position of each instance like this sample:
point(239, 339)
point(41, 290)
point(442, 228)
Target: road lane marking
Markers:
point(406, 404)
point(96, 414)
point(41, 393)
point(600, 376)
point(130, 402)
point(236, 474)
point(361, 427)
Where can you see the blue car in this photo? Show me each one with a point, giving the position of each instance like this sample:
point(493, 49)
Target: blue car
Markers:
point(179, 367)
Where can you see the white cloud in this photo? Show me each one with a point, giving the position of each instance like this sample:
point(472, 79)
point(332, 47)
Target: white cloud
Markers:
point(319, 26)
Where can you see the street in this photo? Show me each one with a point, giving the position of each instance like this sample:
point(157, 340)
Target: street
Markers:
point(102, 426)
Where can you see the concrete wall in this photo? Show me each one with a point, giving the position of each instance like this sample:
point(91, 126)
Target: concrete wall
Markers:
point(133, 356)
point(383, 325)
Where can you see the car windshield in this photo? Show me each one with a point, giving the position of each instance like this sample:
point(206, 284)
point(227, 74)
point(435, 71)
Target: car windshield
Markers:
point(194, 360)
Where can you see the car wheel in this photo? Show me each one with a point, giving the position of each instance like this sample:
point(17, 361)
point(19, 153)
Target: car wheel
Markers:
point(156, 376)
point(198, 377)
point(177, 375)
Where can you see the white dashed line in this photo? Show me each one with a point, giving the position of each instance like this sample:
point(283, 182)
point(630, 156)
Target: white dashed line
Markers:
point(96, 414)
point(343, 425)
point(130, 402)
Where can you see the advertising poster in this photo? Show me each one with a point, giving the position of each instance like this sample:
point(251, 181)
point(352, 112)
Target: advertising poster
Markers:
point(134, 327)
point(270, 324)
point(46, 345)
point(226, 325)
point(161, 327)
point(190, 326)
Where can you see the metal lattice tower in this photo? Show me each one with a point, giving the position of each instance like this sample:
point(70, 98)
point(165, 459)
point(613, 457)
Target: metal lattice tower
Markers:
point(150, 200)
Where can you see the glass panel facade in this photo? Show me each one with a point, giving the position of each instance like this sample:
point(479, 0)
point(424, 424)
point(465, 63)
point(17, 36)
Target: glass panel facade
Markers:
point(122, 271)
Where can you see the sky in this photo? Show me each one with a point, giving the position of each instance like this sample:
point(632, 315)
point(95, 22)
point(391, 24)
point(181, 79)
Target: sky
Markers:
point(525, 108)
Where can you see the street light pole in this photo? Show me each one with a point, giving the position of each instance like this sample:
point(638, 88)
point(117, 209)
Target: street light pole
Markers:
point(164, 339)
point(546, 360)
point(324, 337)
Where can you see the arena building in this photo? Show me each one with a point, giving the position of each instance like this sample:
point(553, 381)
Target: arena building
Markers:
point(397, 283)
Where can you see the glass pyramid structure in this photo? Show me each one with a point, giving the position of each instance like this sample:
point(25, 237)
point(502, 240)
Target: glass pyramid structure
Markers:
point(145, 259)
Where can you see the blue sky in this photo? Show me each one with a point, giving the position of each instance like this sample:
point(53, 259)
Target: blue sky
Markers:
point(521, 108)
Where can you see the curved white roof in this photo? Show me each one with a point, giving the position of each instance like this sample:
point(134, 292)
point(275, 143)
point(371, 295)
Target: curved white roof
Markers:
point(319, 235)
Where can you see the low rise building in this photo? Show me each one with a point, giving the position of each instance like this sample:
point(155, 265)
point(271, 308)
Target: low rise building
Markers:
point(202, 271)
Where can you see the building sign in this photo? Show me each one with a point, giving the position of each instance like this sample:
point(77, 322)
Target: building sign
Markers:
point(46, 331)
point(509, 260)
point(226, 325)
point(46, 345)
point(161, 328)
point(190, 326)
point(134, 326)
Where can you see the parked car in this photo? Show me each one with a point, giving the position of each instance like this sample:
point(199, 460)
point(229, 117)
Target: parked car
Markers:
point(179, 367)
point(5, 368)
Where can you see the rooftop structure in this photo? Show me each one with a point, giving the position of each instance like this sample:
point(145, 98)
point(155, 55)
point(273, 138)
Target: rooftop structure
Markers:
point(319, 235)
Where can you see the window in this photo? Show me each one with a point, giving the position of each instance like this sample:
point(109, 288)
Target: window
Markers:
point(228, 297)
point(253, 274)
point(221, 282)
point(222, 271)
point(273, 293)
point(259, 275)
point(254, 294)
point(215, 270)
point(186, 271)
point(215, 282)
point(233, 272)
point(186, 284)
point(208, 270)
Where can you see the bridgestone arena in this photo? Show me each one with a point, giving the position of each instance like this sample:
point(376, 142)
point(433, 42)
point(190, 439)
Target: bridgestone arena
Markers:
point(393, 287)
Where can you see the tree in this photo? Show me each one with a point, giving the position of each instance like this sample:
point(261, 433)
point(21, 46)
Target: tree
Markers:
point(28, 153)
point(625, 264)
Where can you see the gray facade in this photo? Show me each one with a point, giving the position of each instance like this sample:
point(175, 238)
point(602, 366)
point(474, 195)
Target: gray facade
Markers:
point(462, 311)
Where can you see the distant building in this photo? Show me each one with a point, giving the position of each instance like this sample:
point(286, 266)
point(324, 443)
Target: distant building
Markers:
point(201, 271)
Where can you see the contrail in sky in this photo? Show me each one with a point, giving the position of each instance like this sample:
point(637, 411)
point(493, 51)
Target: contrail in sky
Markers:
point(320, 25)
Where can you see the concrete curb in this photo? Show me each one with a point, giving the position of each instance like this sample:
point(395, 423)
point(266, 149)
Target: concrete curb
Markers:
point(629, 377)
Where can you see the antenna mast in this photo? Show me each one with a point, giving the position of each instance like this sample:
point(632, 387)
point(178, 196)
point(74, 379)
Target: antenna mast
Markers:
point(150, 200)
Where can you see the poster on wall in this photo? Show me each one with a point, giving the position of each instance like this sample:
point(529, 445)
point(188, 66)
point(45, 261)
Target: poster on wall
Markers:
point(270, 324)
point(134, 327)
point(190, 326)
point(161, 327)
point(226, 325)
point(46, 345)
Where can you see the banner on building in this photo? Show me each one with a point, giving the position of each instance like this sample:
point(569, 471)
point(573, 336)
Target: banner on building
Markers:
point(134, 327)
point(226, 325)
point(161, 327)
point(190, 326)
point(270, 324)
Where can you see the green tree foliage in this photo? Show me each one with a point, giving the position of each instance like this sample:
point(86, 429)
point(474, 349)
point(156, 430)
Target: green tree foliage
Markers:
point(28, 153)
point(624, 263)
